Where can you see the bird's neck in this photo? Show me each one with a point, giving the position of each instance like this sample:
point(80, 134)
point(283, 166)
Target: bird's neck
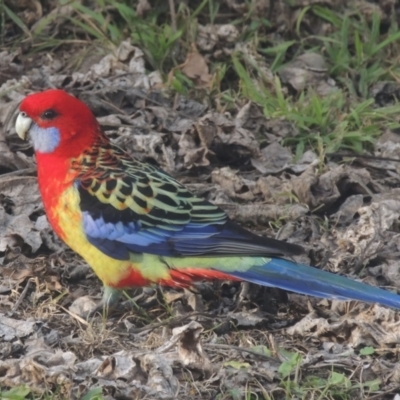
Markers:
point(53, 176)
point(57, 174)
point(58, 171)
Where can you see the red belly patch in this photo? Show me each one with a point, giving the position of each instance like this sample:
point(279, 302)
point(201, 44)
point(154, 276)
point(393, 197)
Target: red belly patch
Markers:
point(133, 279)
point(185, 277)
point(178, 278)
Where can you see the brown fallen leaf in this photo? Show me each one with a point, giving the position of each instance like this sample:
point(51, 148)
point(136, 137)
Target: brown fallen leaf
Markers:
point(11, 328)
point(272, 159)
point(82, 305)
point(142, 7)
point(195, 68)
point(190, 349)
point(308, 70)
point(349, 208)
point(248, 319)
point(326, 189)
point(362, 325)
point(233, 184)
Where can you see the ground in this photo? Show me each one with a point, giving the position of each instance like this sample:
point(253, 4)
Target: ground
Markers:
point(286, 115)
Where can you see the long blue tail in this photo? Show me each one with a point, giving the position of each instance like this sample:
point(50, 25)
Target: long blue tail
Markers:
point(307, 280)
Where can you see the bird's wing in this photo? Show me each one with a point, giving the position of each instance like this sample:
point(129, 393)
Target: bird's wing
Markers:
point(129, 206)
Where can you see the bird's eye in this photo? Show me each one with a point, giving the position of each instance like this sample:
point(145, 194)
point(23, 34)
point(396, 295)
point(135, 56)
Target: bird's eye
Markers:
point(49, 114)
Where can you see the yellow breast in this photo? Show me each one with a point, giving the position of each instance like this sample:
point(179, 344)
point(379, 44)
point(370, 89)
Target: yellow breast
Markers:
point(68, 215)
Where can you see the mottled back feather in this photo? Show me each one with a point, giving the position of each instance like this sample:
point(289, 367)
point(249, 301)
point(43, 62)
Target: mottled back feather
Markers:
point(133, 207)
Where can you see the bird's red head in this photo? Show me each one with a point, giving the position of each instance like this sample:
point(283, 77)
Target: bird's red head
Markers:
point(57, 123)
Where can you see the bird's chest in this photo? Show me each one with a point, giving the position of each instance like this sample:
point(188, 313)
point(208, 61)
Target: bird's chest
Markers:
point(66, 218)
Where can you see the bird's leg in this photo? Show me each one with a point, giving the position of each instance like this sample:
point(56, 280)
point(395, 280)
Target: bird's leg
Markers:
point(110, 298)
point(108, 302)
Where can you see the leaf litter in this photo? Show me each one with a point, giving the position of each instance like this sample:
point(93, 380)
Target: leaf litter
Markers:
point(169, 343)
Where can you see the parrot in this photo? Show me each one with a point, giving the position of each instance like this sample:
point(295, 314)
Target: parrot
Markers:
point(136, 225)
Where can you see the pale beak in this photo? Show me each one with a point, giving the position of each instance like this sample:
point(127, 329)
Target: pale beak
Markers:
point(23, 124)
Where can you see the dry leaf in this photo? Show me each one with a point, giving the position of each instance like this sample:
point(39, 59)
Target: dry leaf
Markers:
point(308, 70)
point(196, 69)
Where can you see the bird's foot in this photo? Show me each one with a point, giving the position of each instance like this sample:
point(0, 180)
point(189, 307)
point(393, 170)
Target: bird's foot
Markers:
point(107, 303)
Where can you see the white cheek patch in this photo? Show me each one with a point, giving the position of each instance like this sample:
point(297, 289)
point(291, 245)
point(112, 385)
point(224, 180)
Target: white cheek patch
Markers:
point(45, 140)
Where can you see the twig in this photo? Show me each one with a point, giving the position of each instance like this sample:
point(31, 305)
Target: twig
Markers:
point(239, 349)
point(25, 171)
point(170, 321)
point(76, 316)
point(173, 15)
point(21, 298)
point(365, 156)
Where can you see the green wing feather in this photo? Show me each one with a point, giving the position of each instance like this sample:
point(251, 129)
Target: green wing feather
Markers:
point(133, 206)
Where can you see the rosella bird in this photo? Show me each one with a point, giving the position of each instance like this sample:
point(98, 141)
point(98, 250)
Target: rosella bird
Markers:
point(135, 225)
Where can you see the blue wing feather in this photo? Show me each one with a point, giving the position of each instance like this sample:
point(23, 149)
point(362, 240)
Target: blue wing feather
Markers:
point(117, 239)
point(163, 218)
